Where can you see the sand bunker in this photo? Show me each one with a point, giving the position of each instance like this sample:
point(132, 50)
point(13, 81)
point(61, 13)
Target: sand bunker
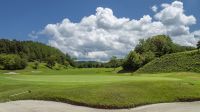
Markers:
point(49, 106)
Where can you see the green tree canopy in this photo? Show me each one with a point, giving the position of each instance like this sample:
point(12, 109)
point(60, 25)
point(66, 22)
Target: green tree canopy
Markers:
point(113, 62)
point(12, 62)
point(198, 45)
point(133, 61)
point(149, 49)
point(51, 61)
point(33, 51)
point(159, 45)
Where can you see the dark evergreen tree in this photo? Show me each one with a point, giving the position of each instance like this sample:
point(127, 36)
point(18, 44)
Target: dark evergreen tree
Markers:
point(51, 61)
point(198, 45)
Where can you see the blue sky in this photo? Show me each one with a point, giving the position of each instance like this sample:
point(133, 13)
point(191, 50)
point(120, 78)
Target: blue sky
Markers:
point(18, 18)
point(99, 29)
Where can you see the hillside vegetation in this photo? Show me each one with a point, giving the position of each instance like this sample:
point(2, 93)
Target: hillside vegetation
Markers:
point(176, 62)
point(151, 48)
point(112, 63)
point(30, 50)
point(15, 55)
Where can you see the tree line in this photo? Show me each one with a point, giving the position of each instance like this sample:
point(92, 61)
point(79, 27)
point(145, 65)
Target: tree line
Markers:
point(112, 63)
point(30, 51)
point(15, 54)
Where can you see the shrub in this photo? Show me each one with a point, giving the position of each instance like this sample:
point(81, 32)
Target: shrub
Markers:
point(56, 67)
point(148, 56)
point(12, 62)
point(51, 61)
point(66, 64)
point(113, 62)
point(133, 61)
point(35, 65)
point(198, 45)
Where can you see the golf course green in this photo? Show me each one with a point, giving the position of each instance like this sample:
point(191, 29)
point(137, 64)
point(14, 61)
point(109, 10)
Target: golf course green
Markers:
point(99, 87)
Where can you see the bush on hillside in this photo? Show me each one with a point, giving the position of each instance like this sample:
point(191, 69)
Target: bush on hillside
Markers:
point(133, 61)
point(51, 61)
point(12, 62)
point(57, 66)
point(147, 57)
point(66, 64)
point(70, 60)
point(35, 65)
point(198, 45)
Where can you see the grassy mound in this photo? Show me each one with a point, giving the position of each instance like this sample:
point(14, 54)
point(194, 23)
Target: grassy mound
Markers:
point(177, 62)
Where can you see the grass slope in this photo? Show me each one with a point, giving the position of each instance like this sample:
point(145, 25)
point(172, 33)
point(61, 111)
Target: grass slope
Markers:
point(101, 88)
point(177, 62)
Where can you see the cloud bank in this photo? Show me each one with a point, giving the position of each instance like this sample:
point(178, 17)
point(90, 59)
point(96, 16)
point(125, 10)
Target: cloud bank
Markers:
point(102, 35)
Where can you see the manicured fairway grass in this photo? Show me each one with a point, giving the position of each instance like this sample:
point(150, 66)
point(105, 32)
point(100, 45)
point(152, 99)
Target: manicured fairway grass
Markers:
point(102, 88)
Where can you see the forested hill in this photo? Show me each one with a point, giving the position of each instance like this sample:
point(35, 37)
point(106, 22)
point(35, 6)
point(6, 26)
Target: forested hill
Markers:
point(31, 50)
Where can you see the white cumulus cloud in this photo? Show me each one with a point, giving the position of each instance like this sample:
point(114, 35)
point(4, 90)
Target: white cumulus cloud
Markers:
point(102, 35)
point(154, 8)
point(173, 17)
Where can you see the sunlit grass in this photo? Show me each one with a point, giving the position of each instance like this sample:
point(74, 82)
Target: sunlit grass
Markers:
point(100, 87)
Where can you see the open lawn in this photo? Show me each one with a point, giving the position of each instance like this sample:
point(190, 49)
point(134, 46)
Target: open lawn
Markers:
point(101, 88)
